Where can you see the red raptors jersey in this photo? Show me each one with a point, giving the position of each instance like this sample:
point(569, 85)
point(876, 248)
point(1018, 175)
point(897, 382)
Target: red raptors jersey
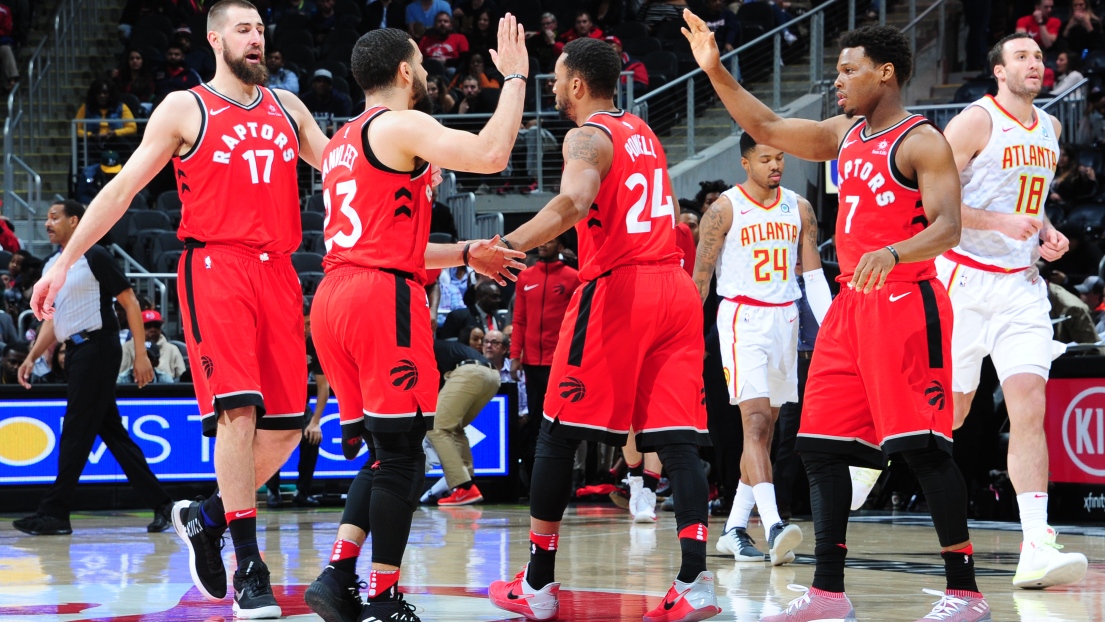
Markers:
point(878, 205)
point(376, 217)
point(633, 218)
point(237, 183)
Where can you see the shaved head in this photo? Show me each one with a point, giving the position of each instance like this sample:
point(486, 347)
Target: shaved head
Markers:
point(216, 17)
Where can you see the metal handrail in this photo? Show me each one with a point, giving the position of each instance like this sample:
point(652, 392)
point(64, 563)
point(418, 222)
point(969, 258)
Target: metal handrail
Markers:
point(1064, 94)
point(1069, 110)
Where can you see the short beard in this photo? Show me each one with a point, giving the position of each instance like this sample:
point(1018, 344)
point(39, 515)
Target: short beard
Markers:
point(565, 110)
point(253, 75)
point(421, 98)
point(1022, 91)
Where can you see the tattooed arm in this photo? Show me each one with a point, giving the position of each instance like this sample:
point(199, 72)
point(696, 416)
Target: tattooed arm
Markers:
point(715, 224)
point(587, 155)
point(807, 242)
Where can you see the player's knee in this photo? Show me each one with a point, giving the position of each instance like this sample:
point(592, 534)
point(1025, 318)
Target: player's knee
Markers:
point(553, 447)
point(402, 473)
point(757, 428)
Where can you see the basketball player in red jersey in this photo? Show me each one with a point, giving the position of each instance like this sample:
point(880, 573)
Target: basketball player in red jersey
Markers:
point(630, 350)
point(370, 312)
point(881, 367)
point(235, 145)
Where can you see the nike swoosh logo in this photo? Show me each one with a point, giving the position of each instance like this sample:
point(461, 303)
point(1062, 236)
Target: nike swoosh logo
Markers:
point(215, 112)
point(849, 143)
point(512, 596)
point(241, 514)
point(899, 297)
point(668, 606)
point(237, 595)
point(1006, 129)
point(747, 211)
point(529, 287)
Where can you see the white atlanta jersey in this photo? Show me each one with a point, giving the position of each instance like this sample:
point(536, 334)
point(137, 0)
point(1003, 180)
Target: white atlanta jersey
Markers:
point(760, 250)
point(1011, 175)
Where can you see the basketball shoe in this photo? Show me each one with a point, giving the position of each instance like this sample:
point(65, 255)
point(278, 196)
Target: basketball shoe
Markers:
point(642, 501)
point(1043, 565)
point(253, 599)
point(687, 602)
point(958, 608)
point(205, 559)
point(335, 596)
point(740, 545)
point(518, 597)
point(815, 607)
point(863, 481)
point(782, 539)
point(462, 496)
point(398, 610)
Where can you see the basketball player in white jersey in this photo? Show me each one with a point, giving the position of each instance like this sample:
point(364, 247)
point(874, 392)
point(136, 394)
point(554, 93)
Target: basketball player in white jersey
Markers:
point(1006, 150)
point(753, 234)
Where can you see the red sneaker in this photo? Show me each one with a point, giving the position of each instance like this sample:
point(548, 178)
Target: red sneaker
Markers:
point(462, 496)
point(687, 602)
point(518, 597)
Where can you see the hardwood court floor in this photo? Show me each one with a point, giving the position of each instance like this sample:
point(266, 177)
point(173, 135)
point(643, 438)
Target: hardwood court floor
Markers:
point(110, 569)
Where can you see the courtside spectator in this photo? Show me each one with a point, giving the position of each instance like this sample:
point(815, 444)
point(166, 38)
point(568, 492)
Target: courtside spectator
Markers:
point(9, 70)
point(200, 58)
point(496, 347)
point(383, 14)
point(474, 100)
point(95, 176)
point(1067, 74)
point(473, 336)
point(441, 99)
point(542, 44)
point(640, 72)
point(708, 192)
point(723, 23)
point(280, 77)
point(108, 122)
point(452, 284)
point(477, 68)
point(657, 12)
point(160, 376)
point(690, 218)
point(135, 77)
point(57, 373)
point(466, 13)
point(442, 44)
point(177, 75)
point(1092, 292)
point(1082, 31)
point(424, 11)
point(13, 357)
point(324, 19)
point(481, 33)
point(1073, 181)
point(584, 28)
point(1041, 25)
point(171, 359)
point(323, 99)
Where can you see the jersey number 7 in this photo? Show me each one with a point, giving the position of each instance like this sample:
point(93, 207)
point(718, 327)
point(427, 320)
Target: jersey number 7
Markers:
point(661, 205)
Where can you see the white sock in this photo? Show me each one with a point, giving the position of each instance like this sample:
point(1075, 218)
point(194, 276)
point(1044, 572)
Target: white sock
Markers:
point(1033, 507)
point(742, 507)
point(439, 487)
point(765, 503)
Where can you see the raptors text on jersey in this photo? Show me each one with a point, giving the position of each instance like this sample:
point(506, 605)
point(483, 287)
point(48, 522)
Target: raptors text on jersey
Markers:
point(237, 184)
point(878, 205)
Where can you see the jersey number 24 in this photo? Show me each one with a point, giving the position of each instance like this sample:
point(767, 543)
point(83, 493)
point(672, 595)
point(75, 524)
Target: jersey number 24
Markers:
point(661, 205)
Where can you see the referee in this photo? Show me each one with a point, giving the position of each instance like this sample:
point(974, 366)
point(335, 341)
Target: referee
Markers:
point(85, 322)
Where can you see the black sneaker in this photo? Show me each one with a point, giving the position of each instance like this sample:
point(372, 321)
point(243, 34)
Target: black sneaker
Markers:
point(397, 610)
point(253, 599)
point(43, 525)
point(162, 518)
point(305, 501)
point(205, 557)
point(335, 596)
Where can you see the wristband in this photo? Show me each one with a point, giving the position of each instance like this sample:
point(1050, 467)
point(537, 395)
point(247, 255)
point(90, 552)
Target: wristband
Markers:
point(506, 244)
point(897, 259)
point(514, 76)
point(464, 254)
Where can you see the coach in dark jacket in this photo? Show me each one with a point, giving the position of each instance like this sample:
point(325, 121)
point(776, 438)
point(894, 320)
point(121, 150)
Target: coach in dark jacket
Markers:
point(85, 321)
point(481, 314)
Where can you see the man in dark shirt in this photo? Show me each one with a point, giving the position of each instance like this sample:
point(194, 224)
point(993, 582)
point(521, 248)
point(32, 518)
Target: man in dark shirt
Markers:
point(312, 434)
point(85, 322)
point(324, 99)
point(469, 382)
point(481, 314)
point(177, 76)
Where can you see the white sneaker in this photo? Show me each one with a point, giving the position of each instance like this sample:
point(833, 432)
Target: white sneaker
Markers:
point(636, 485)
point(863, 480)
point(1043, 565)
point(645, 510)
point(740, 545)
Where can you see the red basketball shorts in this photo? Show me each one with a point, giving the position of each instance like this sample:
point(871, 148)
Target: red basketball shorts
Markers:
point(243, 324)
point(371, 330)
point(880, 379)
point(630, 357)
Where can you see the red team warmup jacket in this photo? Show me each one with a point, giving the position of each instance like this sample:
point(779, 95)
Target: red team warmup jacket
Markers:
point(541, 298)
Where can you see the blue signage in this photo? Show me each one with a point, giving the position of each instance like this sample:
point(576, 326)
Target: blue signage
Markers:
point(168, 430)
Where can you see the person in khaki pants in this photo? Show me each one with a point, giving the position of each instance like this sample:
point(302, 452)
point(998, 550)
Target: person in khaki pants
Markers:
point(469, 384)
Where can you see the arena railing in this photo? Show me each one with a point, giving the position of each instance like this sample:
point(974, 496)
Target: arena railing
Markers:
point(1068, 106)
point(41, 88)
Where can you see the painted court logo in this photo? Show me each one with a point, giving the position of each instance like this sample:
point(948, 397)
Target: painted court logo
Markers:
point(404, 375)
point(572, 389)
point(935, 395)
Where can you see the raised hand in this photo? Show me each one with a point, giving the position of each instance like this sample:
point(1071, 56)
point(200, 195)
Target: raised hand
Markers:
point(511, 55)
point(489, 259)
point(703, 43)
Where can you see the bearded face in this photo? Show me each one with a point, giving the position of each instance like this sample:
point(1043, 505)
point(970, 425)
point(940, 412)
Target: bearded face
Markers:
point(251, 73)
point(420, 97)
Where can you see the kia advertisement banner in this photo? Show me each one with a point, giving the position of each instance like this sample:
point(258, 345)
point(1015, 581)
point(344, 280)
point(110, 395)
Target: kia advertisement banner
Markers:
point(167, 428)
point(1075, 426)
